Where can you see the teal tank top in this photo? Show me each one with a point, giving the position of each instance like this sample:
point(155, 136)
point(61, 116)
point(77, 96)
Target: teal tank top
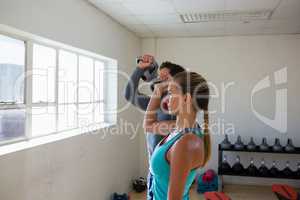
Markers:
point(160, 167)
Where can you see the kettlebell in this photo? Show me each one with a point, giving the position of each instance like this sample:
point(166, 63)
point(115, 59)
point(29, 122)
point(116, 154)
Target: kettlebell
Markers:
point(117, 196)
point(225, 144)
point(287, 172)
point(225, 166)
point(289, 146)
point(274, 171)
point(264, 145)
point(252, 169)
point(297, 173)
point(238, 168)
point(277, 146)
point(251, 146)
point(150, 72)
point(139, 185)
point(263, 169)
point(208, 176)
point(238, 145)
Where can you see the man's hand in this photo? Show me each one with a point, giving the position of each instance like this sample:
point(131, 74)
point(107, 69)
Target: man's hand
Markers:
point(146, 61)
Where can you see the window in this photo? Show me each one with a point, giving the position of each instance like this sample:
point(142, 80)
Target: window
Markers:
point(43, 90)
point(86, 71)
point(67, 117)
point(43, 120)
point(65, 89)
point(90, 109)
point(80, 101)
point(12, 124)
point(67, 77)
point(44, 64)
point(12, 62)
point(67, 96)
point(12, 67)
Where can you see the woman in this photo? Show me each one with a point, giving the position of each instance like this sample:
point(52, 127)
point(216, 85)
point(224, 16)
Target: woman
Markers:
point(186, 148)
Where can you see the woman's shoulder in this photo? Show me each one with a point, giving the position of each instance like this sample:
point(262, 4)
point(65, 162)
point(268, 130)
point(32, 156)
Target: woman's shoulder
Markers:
point(190, 142)
point(189, 148)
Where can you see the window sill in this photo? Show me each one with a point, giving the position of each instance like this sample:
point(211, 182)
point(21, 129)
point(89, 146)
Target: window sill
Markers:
point(26, 144)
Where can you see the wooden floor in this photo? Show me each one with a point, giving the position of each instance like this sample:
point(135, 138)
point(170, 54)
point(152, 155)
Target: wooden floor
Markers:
point(236, 192)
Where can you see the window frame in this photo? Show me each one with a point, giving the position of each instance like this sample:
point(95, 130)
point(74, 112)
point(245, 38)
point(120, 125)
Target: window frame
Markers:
point(29, 41)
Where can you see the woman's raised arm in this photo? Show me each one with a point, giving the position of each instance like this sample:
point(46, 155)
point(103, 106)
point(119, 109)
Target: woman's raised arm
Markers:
point(150, 120)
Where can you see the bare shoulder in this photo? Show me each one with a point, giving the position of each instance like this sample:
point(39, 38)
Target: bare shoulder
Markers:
point(188, 149)
point(189, 142)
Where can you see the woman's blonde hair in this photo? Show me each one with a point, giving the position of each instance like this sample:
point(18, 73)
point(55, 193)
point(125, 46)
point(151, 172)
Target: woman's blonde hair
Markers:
point(196, 85)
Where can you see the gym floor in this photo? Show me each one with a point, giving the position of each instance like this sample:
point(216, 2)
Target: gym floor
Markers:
point(236, 192)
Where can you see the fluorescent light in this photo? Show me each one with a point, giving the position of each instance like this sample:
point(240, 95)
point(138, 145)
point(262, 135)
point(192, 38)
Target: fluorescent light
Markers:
point(226, 16)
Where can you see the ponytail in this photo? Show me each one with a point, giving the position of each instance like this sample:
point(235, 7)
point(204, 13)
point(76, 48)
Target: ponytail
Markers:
point(206, 138)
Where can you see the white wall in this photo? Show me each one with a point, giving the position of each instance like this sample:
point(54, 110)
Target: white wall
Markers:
point(86, 166)
point(243, 60)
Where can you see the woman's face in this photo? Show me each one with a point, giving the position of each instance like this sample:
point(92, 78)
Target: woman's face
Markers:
point(176, 98)
point(164, 74)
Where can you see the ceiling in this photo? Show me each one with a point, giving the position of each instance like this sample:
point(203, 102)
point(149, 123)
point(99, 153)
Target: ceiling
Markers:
point(160, 18)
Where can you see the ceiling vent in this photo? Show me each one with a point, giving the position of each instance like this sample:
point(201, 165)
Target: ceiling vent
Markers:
point(226, 16)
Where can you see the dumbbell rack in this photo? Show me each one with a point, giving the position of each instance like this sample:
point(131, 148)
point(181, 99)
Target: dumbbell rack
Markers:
point(256, 150)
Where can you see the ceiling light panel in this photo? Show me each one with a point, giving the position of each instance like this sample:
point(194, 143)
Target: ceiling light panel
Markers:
point(226, 16)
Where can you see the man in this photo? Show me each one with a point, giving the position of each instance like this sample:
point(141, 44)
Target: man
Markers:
point(165, 72)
